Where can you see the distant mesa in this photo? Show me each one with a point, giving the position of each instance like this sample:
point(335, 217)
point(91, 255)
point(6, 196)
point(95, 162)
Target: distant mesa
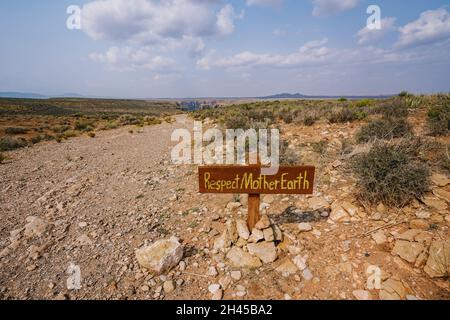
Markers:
point(22, 95)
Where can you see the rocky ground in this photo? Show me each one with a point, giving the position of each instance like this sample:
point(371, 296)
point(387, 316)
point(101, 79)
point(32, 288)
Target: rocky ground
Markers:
point(117, 208)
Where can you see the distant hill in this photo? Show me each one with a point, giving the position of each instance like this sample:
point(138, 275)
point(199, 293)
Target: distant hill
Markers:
point(285, 96)
point(22, 95)
point(302, 96)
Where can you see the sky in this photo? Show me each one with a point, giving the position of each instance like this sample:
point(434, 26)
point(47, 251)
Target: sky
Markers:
point(224, 48)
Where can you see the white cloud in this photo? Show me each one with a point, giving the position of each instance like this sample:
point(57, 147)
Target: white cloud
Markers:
point(330, 7)
point(264, 2)
point(311, 54)
point(432, 26)
point(367, 35)
point(127, 58)
point(225, 20)
point(155, 27)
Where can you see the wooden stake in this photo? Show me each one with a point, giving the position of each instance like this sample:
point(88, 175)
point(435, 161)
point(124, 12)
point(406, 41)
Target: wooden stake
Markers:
point(253, 210)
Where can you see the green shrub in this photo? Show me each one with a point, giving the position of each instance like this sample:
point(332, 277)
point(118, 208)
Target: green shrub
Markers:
point(343, 116)
point(16, 130)
point(438, 120)
point(71, 134)
point(394, 109)
point(309, 120)
point(342, 99)
point(60, 129)
point(393, 174)
point(9, 143)
point(384, 129)
point(112, 125)
point(84, 125)
point(128, 119)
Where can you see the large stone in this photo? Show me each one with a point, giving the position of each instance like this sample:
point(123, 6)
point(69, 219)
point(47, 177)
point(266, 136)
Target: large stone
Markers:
point(241, 259)
point(160, 256)
point(408, 250)
point(362, 295)
point(234, 205)
point(379, 237)
point(435, 203)
point(441, 193)
point(266, 251)
point(232, 231)
point(338, 213)
point(257, 235)
point(409, 235)
point(440, 180)
point(304, 227)
point(242, 229)
point(222, 242)
point(269, 234)
point(264, 223)
point(35, 227)
point(317, 203)
point(300, 262)
point(438, 264)
point(277, 233)
point(287, 268)
point(392, 289)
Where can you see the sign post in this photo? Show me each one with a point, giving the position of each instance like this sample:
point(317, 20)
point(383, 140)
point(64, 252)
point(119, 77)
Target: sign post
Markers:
point(250, 180)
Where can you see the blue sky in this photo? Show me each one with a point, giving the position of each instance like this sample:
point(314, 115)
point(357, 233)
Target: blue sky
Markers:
point(193, 48)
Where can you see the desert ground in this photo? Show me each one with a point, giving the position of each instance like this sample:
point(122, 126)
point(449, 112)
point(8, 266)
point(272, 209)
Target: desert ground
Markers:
point(93, 201)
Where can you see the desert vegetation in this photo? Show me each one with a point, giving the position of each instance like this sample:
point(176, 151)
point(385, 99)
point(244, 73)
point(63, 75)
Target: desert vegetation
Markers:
point(60, 119)
point(396, 135)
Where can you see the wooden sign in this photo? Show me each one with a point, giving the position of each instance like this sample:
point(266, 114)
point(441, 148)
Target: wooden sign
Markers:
point(250, 180)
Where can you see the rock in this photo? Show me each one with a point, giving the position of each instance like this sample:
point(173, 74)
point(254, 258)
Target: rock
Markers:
point(407, 250)
point(362, 295)
point(307, 275)
point(300, 262)
point(441, 193)
point(266, 251)
point(218, 295)
point(269, 235)
point(350, 208)
point(392, 289)
point(182, 265)
point(169, 286)
point(264, 223)
point(440, 180)
point(277, 233)
point(212, 272)
point(241, 259)
point(408, 235)
point(423, 214)
point(269, 199)
point(287, 268)
point(379, 237)
point(232, 231)
point(160, 256)
point(338, 213)
point(236, 275)
point(438, 263)
point(35, 227)
point(257, 235)
point(83, 240)
point(242, 229)
point(304, 227)
point(222, 242)
point(225, 281)
point(419, 224)
point(317, 203)
point(216, 291)
point(233, 205)
point(241, 243)
point(435, 203)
